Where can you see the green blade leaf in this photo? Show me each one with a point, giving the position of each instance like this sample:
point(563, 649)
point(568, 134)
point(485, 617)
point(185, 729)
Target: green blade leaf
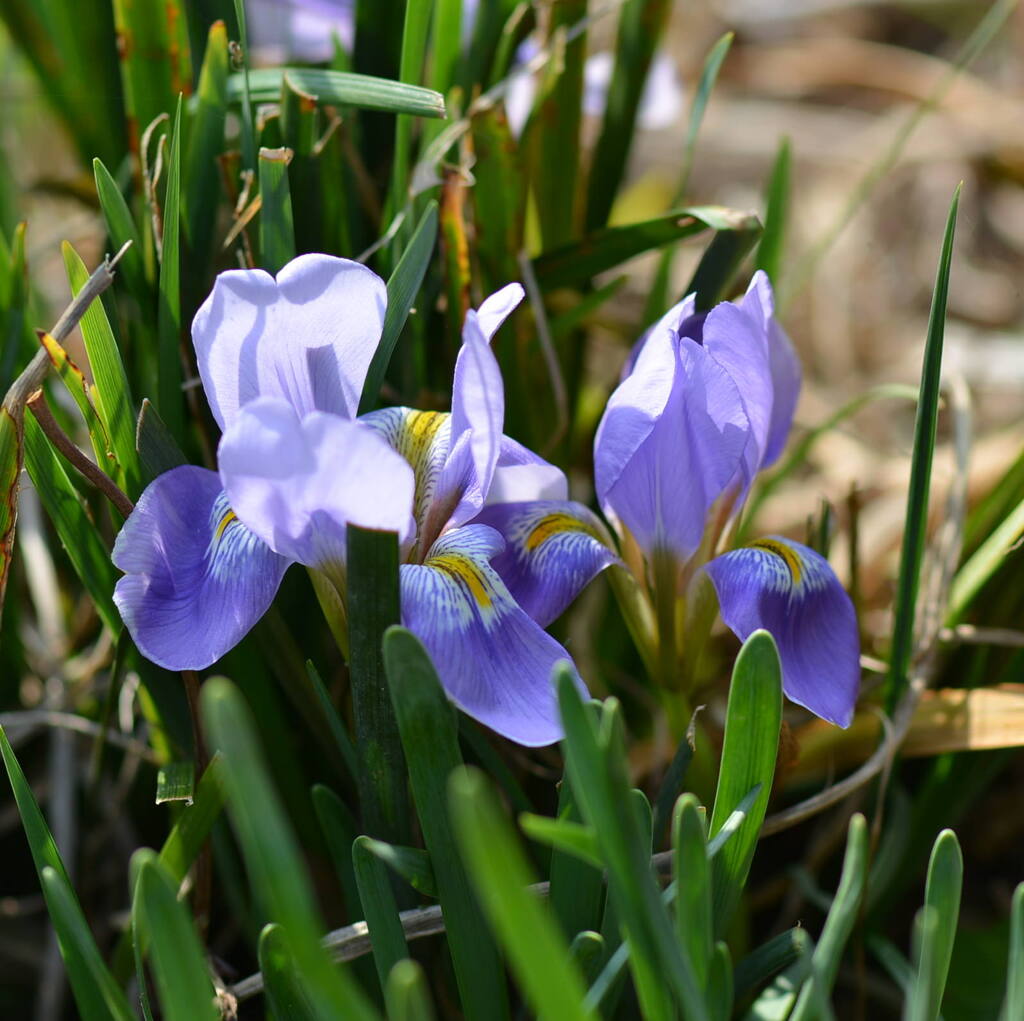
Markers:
point(403, 285)
point(372, 568)
point(602, 250)
point(406, 993)
point(536, 949)
point(97, 995)
point(111, 392)
point(411, 863)
point(641, 24)
point(426, 722)
point(752, 724)
point(339, 88)
point(182, 978)
point(277, 227)
point(842, 917)
point(77, 533)
point(915, 524)
point(282, 980)
point(121, 228)
point(275, 866)
point(1013, 1005)
point(760, 964)
point(200, 172)
point(169, 397)
point(595, 761)
point(692, 875)
point(339, 830)
point(770, 248)
point(571, 837)
point(379, 909)
point(942, 900)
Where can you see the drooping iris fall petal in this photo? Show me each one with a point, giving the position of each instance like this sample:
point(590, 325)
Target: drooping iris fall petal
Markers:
point(196, 579)
point(494, 660)
point(306, 337)
point(298, 482)
point(792, 592)
point(553, 550)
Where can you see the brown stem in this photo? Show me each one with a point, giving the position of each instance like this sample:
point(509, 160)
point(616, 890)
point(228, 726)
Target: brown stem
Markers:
point(91, 472)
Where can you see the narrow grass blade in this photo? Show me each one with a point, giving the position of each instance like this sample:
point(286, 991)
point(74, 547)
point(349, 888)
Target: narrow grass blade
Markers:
point(339, 829)
point(771, 957)
point(595, 761)
point(275, 866)
point(277, 227)
point(573, 264)
point(552, 136)
point(720, 983)
point(499, 184)
point(97, 995)
point(719, 263)
point(111, 391)
point(182, 978)
point(156, 63)
point(169, 397)
point(122, 229)
point(406, 994)
point(379, 909)
point(403, 285)
point(157, 448)
point(536, 949)
point(670, 789)
point(641, 24)
point(571, 837)
point(243, 91)
point(282, 980)
point(411, 863)
point(426, 721)
point(1013, 1005)
point(577, 887)
point(87, 552)
point(916, 521)
point(338, 88)
point(692, 875)
point(776, 209)
point(708, 76)
point(372, 566)
point(839, 924)
point(200, 172)
point(942, 899)
point(175, 781)
point(342, 740)
point(752, 724)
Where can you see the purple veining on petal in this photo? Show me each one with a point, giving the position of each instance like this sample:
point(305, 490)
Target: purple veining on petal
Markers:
point(196, 579)
point(792, 592)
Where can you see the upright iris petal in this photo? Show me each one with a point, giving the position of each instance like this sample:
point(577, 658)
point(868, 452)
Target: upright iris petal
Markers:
point(494, 660)
point(306, 336)
point(791, 591)
point(196, 578)
point(670, 442)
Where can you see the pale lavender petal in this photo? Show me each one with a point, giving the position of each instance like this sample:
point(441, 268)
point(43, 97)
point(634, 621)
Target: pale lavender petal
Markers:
point(297, 483)
point(494, 661)
point(669, 444)
point(306, 337)
point(791, 591)
point(196, 579)
point(553, 549)
point(478, 409)
point(684, 312)
point(521, 475)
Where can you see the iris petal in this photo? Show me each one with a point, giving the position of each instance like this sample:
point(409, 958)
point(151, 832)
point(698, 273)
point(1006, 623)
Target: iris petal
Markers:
point(791, 591)
point(306, 336)
point(553, 549)
point(494, 661)
point(670, 442)
point(522, 475)
point(196, 579)
point(297, 483)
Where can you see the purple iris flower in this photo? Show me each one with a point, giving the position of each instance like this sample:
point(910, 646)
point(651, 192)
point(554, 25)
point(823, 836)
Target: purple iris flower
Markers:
point(283, 362)
point(706, 402)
